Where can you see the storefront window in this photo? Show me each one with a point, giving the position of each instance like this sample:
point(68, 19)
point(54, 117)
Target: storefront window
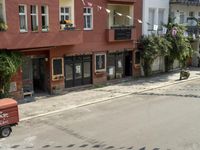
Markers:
point(57, 68)
point(100, 62)
point(119, 65)
point(115, 65)
point(87, 69)
point(78, 71)
point(111, 66)
point(69, 71)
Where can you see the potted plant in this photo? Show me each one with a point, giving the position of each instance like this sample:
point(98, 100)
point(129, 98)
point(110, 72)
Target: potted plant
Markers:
point(62, 24)
point(69, 25)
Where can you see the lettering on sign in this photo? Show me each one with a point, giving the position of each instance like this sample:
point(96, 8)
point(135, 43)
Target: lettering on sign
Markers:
point(3, 118)
point(3, 115)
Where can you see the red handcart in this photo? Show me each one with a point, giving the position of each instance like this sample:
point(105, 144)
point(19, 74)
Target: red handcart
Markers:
point(9, 116)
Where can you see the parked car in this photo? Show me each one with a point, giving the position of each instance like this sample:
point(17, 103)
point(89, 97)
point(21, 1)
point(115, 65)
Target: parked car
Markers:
point(9, 116)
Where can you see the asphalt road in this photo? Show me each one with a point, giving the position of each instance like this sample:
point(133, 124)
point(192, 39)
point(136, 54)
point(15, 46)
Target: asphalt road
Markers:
point(167, 118)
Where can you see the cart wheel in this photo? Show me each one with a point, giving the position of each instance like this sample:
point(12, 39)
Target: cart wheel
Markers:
point(5, 131)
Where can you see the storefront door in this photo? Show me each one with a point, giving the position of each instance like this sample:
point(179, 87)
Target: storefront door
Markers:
point(115, 65)
point(128, 63)
point(78, 70)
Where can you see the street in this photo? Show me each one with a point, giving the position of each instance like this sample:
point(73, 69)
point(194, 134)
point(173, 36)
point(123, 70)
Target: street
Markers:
point(165, 118)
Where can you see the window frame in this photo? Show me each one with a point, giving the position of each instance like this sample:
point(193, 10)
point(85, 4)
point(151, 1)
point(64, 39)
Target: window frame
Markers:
point(151, 26)
point(104, 69)
point(160, 22)
point(57, 76)
point(34, 14)
point(88, 14)
point(26, 19)
point(181, 14)
point(65, 14)
point(46, 15)
point(3, 11)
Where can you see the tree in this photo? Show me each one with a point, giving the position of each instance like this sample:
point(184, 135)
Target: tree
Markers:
point(181, 48)
point(153, 46)
point(9, 62)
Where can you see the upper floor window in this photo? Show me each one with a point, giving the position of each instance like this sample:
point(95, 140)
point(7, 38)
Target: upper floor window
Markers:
point(23, 18)
point(161, 13)
point(34, 18)
point(182, 18)
point(191, 14)
point(64, 14)
point(151, 18)
point(45, 18)
point(88, 18)
point(1, 11)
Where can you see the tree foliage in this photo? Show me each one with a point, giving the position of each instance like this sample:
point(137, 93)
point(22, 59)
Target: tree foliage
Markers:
point(173, 46)
point(153, 47)
point(181, 47)
point(9, 62)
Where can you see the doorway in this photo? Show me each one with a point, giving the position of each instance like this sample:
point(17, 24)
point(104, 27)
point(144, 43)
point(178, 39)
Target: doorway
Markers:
point(128, 63)
point(39, 75)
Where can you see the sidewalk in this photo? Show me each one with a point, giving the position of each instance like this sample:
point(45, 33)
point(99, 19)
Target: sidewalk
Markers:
point(53, 104)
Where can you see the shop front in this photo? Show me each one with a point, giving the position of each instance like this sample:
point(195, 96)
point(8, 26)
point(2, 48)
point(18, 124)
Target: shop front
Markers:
point(78, 70)
point(119, 65)
point(34, 75)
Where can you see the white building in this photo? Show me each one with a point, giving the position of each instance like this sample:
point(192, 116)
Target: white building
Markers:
point(155, 13)
point(183, 11)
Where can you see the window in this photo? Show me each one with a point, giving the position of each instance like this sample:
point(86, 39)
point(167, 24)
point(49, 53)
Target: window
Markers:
point(161, 13)
point(151, 18)
point(88, 18)
point(23, 18)
point(34, 18)
point(57, 68)
point(100, 62)
point(182, 18)
point(1, 11)
point(45, 18)
point(191, 14)
point(65, 13)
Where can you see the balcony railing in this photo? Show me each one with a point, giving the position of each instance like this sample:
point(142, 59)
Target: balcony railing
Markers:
point(186, 2)
point(120, 34)
point(40, 39)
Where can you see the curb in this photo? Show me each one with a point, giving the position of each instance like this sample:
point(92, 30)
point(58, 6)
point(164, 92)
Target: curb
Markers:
point(104, 100)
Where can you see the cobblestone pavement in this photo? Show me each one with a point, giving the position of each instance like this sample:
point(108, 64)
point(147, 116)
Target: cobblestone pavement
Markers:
point(51, 104)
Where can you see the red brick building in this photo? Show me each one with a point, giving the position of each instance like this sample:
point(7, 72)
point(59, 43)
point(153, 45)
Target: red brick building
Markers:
point(98, 42)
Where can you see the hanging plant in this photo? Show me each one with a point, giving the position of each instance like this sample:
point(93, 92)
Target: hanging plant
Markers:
point(10, 63)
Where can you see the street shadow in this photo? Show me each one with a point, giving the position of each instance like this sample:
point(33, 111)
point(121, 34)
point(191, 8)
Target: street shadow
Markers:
point(83, 146)
point(176, 95)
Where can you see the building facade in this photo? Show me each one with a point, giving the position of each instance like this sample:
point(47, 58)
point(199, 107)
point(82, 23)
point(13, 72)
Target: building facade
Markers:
point(69, 43)
point(187, 13)
point(155, 14)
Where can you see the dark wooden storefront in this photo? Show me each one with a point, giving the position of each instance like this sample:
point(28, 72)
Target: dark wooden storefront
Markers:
point(119, 65)
point(78, 70)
